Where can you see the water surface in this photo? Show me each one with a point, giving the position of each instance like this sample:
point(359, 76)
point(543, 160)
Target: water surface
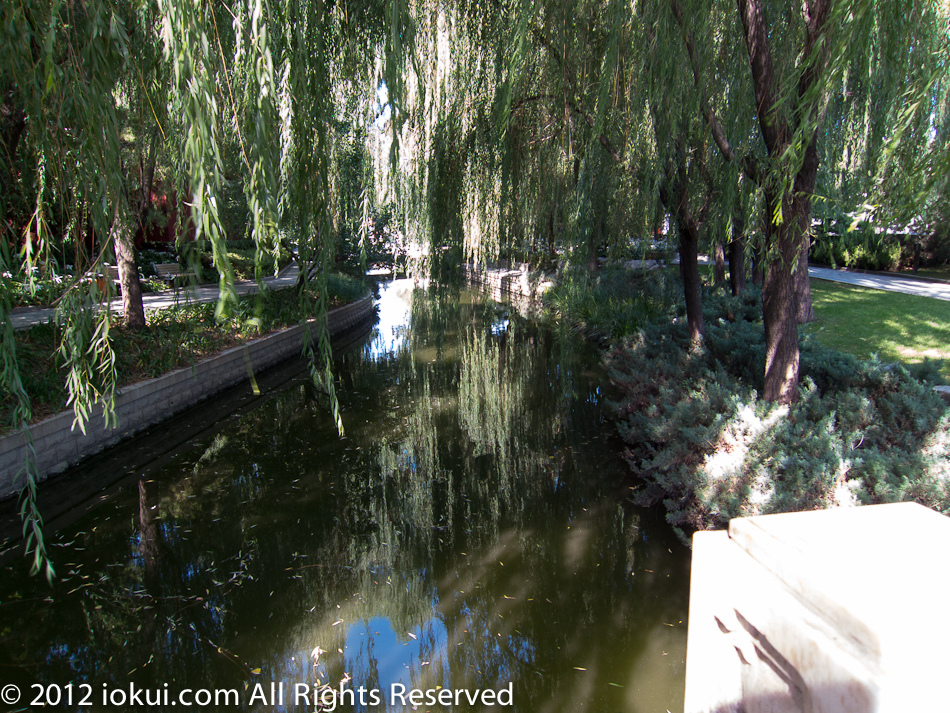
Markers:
point(467, 533)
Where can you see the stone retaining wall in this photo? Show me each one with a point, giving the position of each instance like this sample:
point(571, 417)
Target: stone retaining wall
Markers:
point(517, 280)
point(58, 445)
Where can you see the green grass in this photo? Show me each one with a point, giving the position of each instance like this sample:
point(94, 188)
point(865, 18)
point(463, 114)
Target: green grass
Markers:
point(894, 326)
point(940, 272)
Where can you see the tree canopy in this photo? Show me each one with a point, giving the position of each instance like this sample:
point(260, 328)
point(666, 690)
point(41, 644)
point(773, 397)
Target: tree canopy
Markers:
point(526, 129)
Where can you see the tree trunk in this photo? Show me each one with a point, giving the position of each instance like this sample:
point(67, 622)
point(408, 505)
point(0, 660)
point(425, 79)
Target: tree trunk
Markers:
point(779, 304)
point(786, 294)
point(688, 228)
point(805, 312)
point(692, 285)
point(737, 264)
point(122, 241)
point(720, 269)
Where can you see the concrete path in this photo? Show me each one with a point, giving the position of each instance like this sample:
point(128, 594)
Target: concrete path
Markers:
point(891, 283)
point(25, 317)
point(875, 281)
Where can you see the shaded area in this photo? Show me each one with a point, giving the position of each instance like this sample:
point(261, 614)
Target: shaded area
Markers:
point(701, 439)
point(467, 532)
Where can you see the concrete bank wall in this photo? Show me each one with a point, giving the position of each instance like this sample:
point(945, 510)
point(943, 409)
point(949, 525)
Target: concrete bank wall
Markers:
point(503, 280)
point(58, 445)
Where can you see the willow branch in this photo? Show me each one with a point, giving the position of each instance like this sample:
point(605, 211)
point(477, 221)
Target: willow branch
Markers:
point(604, 141)
point(572, 82)
point(749, 166)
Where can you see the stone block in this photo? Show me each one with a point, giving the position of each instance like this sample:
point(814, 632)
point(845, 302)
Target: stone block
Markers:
point(836, 610)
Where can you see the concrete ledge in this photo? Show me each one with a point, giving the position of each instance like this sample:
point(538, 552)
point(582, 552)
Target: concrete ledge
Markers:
point(503, 282)
point(58, 445)
point(838, 611)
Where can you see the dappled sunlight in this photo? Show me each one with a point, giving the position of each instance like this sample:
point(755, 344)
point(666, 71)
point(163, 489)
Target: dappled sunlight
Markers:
point(891, 326)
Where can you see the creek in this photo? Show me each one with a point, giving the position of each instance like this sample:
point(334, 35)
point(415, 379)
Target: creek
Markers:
point(468, 533)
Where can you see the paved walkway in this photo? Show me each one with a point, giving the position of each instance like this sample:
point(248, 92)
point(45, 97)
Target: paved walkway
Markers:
point(875, 281)
point(891, 283)
point(24, 317)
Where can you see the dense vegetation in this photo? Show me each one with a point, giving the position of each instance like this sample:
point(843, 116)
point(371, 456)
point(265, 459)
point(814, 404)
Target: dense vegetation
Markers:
point(700, 438)
point(176, 337)
point(548, 131)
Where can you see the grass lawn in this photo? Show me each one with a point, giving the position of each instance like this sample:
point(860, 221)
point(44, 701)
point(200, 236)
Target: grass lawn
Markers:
point(941, 272)
point(894, 326)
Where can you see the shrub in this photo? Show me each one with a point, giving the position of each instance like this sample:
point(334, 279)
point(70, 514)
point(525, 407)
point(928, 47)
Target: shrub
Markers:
point(698, 437)
point(612, 303)
point(176, 337)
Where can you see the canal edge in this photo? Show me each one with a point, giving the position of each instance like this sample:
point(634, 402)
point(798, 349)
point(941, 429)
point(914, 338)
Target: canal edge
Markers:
point(59, 445)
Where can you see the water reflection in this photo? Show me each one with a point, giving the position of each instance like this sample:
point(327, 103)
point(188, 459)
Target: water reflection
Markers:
point(466, 533)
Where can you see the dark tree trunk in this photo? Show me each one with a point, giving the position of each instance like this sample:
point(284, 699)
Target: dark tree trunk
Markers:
point(737, 264)
point(674, 198)
point(805, 312)
point(786, 295)
point(132, 306)
point(779, 303)
point(692, 284)
point(720, 269)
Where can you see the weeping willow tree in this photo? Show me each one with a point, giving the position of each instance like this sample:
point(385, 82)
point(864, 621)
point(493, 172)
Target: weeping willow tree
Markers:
point(723, 116)
point(243, 94)
point(521, 129)
point(798, 59)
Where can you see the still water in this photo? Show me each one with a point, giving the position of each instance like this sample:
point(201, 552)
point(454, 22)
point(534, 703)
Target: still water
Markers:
point(468, 534)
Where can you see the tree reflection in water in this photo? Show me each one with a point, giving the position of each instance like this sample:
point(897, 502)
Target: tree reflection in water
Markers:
point(466, 533)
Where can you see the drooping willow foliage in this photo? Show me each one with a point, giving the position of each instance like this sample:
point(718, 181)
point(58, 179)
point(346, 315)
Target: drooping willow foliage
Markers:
point(536, 130)
point(548, 129)
point(246, 93)
point(569, 130)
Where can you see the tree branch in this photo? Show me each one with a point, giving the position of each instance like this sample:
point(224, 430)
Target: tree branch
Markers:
point(749, 166)
point(572, 82)
point(774, 129)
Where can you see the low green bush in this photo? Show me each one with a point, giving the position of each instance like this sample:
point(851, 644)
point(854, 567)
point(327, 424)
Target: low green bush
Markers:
point(863, 248)
point(175, 337)
point(612, 303)
point(698, 438)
